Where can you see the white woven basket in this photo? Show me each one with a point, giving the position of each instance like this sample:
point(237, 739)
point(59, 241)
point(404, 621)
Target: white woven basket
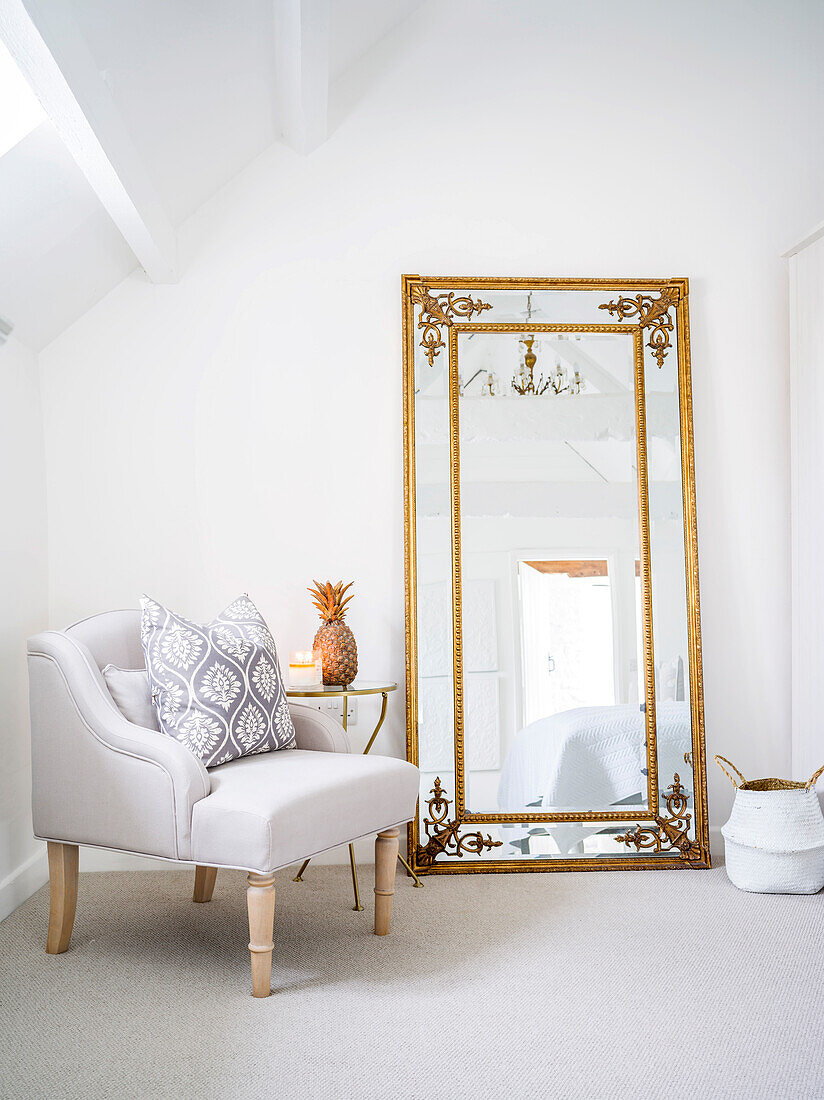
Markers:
point(774, 839)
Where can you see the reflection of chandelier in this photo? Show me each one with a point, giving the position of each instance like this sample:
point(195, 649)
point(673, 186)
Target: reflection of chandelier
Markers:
point(526, 383)
point(559, 382)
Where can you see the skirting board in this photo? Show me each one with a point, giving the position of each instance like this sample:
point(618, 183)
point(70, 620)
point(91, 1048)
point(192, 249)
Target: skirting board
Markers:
point(23, 881)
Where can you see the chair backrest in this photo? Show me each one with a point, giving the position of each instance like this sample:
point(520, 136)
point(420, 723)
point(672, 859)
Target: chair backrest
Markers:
point(111, 638)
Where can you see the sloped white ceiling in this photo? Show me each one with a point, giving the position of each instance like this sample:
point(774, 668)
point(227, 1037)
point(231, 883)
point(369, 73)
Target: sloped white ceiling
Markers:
point(194, 85)
point(59, 250)
point(356, 25)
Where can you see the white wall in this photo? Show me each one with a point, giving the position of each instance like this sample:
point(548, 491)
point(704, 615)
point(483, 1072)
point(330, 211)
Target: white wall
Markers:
point(23, 611)
point(242, 430)
point(807, 460)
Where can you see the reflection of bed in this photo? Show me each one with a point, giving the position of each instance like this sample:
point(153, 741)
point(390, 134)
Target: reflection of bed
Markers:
point(590, 758)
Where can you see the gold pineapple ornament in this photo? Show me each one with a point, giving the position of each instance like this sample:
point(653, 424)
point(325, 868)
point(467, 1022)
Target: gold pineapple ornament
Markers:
point(334, 639)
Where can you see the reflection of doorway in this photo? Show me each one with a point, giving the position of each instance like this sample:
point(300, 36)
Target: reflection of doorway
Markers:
point(566, 636)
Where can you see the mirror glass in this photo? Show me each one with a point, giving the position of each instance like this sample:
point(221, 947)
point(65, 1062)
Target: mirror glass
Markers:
point(434, 571)
point(549, 545)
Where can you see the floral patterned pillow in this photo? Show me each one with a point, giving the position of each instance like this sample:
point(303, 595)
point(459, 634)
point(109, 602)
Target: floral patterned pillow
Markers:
point(217, 688)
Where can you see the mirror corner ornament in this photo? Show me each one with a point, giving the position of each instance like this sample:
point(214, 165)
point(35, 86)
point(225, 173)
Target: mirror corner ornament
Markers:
point(444, 836)
point(653, 314)
point(437, 310)
point(672, 833)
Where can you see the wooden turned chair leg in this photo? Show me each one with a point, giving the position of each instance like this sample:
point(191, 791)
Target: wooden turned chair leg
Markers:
point(204, 883)
point(260, 901)
point(63, 863)
point(386, 857)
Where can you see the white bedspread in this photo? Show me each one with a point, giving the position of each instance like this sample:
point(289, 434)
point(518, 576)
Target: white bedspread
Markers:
point(590, 758)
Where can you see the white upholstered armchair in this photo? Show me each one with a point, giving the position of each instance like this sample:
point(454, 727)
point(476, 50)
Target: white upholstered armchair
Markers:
point(99, 780)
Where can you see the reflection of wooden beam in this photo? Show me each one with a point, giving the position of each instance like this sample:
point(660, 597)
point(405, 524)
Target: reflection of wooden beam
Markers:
point(584, 568)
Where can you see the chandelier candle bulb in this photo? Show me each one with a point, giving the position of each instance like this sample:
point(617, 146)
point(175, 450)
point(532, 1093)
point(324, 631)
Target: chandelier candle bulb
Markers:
point(303, 669)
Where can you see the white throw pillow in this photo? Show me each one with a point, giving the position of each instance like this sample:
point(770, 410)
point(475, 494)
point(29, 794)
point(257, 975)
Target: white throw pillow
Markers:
point(217, 687)
point(129, 687)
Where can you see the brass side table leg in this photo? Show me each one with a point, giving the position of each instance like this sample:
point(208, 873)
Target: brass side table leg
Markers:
point(377, 728)
point(357, 907)
point(299, 876)
point(417, 883)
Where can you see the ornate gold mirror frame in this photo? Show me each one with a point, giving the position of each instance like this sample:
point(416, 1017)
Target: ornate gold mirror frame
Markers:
point(653, 314)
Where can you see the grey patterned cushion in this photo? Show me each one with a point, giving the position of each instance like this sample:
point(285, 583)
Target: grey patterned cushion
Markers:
point(217, 688)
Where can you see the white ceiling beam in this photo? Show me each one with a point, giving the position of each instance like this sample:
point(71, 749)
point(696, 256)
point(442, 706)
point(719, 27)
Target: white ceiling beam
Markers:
point(54, 58)
point(813, 236)
point(302, 71)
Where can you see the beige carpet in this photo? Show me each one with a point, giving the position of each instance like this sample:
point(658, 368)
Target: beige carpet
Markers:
point(602, 986)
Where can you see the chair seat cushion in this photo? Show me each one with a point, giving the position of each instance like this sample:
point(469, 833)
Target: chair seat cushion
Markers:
point(267, 811)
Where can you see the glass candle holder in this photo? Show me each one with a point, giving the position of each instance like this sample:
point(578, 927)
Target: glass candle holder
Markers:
point(304, 669)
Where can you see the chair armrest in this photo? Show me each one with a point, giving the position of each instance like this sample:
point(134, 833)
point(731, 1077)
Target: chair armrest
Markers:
point(315, 730)
point(96, 777)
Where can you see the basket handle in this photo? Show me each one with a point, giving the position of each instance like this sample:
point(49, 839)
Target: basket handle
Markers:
point(719, 759)
point(812, 781)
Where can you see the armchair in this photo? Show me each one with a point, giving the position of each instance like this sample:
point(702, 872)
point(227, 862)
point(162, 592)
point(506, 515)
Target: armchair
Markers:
point(100, 780)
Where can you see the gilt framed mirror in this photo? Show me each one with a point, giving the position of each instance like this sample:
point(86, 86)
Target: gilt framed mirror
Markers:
point(554, 698)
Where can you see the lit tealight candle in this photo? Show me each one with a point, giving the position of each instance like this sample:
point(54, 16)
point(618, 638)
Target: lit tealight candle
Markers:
point(303, 669)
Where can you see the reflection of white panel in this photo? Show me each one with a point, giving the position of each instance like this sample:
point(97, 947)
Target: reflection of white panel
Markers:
point(435, 629)
point(435, 724)
point(482, 740)
point(480, 634)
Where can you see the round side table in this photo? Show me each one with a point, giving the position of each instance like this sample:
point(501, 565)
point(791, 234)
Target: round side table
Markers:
point(358, 687)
